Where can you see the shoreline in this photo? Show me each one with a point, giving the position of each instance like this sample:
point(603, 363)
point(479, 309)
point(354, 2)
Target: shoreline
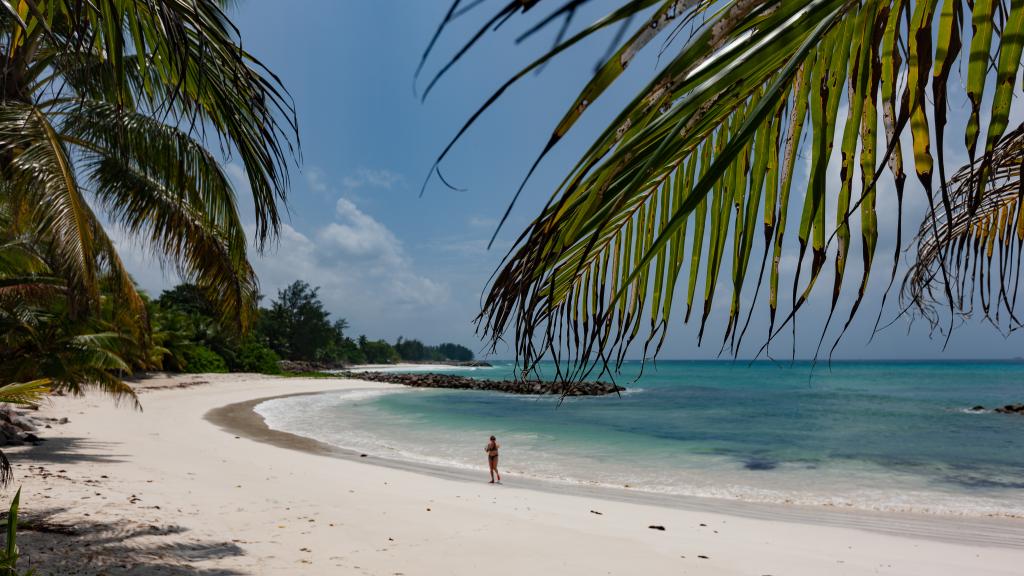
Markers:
point(984, 530)
point(168, 492)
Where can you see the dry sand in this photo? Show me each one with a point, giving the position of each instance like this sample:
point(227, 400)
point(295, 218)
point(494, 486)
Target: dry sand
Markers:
point(168, 491)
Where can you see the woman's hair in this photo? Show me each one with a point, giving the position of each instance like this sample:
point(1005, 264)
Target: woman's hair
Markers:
point(493, 438)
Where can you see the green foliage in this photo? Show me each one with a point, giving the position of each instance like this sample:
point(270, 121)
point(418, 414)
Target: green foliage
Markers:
point(37, 343)
point(416, 351)
point(9, 554)
point(378, 351)
point(102, 127)
point(412, 350)
point(188, 299)
point(708, 153)
point(201, 360)
point(25, 393)
point(254, 356)
point(348, 351)
point(297, 327)
point(455, 352)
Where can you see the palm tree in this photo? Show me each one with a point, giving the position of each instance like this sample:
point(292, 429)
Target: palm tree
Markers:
point(707, 150)
point(109, 110)
point(41, 336)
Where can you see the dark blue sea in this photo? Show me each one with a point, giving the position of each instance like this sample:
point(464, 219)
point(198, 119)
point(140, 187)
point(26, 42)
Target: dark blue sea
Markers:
point(864, 435)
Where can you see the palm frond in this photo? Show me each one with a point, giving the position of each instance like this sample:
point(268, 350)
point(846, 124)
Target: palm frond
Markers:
point(710, 143)
point(160, 184)
point(978, 240)
point(25, 393)
point(184, 61)
point(38, 344)
point(43, 170)
point(212, 256)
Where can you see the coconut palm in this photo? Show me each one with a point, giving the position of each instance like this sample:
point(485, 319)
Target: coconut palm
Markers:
point(108, 113)
point(707, 151)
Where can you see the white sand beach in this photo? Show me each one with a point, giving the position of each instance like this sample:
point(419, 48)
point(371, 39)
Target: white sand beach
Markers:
point(166, 491)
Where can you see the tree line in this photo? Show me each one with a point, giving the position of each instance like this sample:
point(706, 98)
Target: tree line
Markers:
point(295, 326)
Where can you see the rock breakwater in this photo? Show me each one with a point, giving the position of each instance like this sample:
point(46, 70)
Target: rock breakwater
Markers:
point(508, 386)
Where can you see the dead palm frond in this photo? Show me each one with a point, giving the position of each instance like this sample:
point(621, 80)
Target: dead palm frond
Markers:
point(978, 240)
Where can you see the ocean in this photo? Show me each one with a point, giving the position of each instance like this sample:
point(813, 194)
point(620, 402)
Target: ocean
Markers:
point(886, 436)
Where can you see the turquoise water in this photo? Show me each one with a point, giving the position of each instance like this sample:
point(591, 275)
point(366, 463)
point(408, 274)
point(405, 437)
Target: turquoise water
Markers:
point(866, 435)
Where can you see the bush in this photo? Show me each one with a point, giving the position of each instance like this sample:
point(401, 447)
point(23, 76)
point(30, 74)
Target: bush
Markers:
point(455, 352)
point(254, 356)
point(201, 360)
point(378, 351)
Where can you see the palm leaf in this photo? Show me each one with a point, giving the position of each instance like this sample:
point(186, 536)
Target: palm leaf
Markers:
point(26, 393)
point(712, 138)
point(44, 170)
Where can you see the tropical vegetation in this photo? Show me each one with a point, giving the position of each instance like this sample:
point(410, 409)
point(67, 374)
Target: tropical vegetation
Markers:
point(295, 326)
point(705, 162)
point(108, 113)
point(110, 120)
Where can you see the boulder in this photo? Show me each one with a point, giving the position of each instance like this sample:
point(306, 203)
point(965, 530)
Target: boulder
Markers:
point(24, 422)
point(304, 366)
point(10, 435)
point(537, 387)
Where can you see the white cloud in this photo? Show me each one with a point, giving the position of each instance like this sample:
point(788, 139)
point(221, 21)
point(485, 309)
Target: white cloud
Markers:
point(362, 268)
point(359, 264)
point(372, 178)
point(358, 235)
point(482, 222)
point(315, 179)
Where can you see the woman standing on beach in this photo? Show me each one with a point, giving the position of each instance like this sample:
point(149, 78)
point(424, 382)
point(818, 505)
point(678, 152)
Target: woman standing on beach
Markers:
point(492, 458)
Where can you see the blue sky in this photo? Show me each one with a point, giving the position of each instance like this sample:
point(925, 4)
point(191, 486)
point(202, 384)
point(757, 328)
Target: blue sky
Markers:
point(396, 265)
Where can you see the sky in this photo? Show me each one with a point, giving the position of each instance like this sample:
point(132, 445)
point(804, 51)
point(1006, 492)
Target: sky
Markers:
point(396, 264)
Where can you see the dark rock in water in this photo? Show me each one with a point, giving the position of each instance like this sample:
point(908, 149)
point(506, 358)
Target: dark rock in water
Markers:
point(1011, 409)
point(978, 408)
point(760, 464)
point(539, 387)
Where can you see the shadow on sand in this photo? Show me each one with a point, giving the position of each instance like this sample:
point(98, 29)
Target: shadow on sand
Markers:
point(115, 548)
point(69, 450)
